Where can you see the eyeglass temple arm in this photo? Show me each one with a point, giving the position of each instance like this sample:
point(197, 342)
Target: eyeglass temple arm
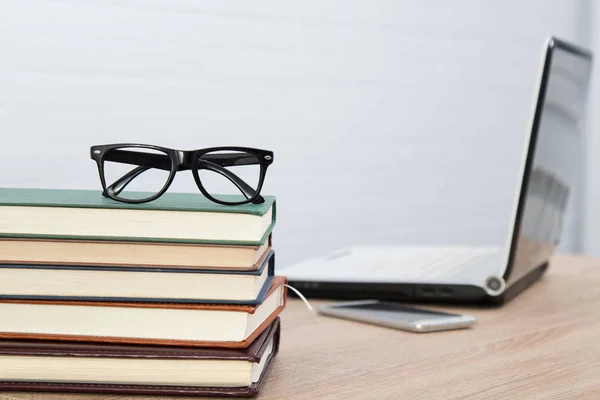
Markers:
point(163, 162)
point(246, 189)
point(144, 162)
point(216, 162)
point(117, 186)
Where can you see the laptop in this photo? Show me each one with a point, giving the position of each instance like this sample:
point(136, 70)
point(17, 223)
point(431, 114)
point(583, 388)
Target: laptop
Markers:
point(481, 275)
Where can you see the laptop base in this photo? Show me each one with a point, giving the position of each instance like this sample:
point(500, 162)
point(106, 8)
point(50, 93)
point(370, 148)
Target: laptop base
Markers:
point(446, 294)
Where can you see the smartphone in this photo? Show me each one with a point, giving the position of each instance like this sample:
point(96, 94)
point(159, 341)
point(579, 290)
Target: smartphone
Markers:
point(396, 315)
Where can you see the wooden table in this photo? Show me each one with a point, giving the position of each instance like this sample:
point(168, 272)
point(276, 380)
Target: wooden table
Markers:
point(545, 344)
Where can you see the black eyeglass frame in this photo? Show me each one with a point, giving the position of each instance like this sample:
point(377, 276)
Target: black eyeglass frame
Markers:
point(182, 160)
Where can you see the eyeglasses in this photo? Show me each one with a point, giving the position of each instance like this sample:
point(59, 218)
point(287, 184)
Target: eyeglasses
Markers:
point(225, 175)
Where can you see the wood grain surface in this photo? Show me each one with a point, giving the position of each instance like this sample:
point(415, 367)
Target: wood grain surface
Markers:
point(545, 344)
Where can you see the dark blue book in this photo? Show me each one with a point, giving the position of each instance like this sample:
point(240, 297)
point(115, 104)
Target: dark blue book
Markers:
point(137, 284)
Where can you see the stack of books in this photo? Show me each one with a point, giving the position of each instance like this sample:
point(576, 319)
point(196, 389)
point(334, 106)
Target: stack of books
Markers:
point(175, 296)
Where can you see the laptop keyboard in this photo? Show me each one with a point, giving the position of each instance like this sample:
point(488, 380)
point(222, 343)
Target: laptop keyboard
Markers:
point(391, 263)
point(430, 262)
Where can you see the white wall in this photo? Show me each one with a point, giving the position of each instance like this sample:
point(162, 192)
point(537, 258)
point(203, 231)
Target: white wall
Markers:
point(391, 121)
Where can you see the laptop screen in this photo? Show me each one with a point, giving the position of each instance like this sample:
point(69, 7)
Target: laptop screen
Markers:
point(555, 167)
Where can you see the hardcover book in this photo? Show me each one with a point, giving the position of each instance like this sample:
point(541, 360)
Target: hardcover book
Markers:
point(131, 284)
point(173, 218)
point(132, 254)
point(214, 325)
point(44, 366)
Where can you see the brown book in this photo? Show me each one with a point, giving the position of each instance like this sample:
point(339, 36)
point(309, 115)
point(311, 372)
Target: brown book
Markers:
point(132, 254)
point(213, 325)
point(47, 366)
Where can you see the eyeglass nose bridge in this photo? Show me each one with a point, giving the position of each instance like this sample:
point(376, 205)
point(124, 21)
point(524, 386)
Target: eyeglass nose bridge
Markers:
point(184, 158)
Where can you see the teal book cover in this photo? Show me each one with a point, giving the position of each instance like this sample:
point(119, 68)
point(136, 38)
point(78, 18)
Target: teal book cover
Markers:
point(174, 217)
point(81, 198)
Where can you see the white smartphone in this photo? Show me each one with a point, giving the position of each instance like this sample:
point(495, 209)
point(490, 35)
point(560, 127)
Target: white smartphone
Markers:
point(396, 315)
